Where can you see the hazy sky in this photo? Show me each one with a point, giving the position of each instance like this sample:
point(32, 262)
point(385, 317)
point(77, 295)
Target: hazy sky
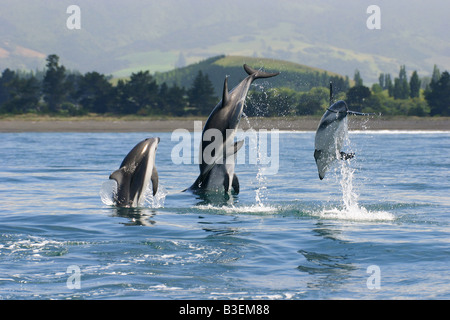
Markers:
point(117, 34)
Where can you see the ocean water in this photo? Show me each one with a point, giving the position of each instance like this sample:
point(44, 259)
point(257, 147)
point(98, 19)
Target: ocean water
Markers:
point(377, 226)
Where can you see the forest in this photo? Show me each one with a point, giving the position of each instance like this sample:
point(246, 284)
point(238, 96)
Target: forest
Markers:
point(60, 92)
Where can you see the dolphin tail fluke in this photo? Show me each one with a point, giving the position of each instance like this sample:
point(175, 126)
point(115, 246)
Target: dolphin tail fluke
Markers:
point(259, 73)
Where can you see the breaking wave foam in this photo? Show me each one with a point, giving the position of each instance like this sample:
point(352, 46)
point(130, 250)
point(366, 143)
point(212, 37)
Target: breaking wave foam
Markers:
point(356, 213)
point(240, 209)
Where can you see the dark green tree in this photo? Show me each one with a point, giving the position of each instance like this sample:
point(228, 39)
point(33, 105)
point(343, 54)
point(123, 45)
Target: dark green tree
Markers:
point(388, 85)
point(340, 84)
point(202, 98)
point(401, 87)
point(313, 102)
point(177, 99)
point(172, 100)
point(436, 75)
point(357, 78)
point(279, 101)
point(23, 95)
point(163, 105)
point(381, 81)
point(414, 85)
point(54, 85)
point(356, 97)
point(438, 95)
point(141, 93)
point(6, 80)
point(120, 98)
point(95, 93)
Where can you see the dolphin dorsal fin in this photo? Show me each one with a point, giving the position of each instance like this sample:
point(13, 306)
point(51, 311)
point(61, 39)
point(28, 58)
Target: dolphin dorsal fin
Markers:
point(154, 179)
point(118, 175)
point(225, 93)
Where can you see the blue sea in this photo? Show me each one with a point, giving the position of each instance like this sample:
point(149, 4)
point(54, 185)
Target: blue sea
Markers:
point(377, 226)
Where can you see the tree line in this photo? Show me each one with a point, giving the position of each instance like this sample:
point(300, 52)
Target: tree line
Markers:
point(58, 91)
point(61, 92)
point(398, 96)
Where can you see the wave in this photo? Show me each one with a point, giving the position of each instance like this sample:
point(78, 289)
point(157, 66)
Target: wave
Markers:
point(249, 209)
point(354, 213)
point(399, 132)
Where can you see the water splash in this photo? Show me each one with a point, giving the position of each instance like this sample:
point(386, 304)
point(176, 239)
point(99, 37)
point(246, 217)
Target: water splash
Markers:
point(157, 200)
point(108, 192)
point(260, 180)
point(351, 209)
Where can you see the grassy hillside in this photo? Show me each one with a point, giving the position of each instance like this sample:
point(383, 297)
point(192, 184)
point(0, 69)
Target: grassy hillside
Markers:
point(292, 75)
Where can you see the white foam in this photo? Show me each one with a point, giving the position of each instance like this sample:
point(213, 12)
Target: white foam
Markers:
point(108, 191)
point(157, 200)
point(399, 132)
point(355, 213)
point(240, 209)
point(163, 287)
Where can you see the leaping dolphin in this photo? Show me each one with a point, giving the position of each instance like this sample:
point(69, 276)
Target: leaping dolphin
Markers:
point(330, 136)
point(135, 173)
point(217, 156)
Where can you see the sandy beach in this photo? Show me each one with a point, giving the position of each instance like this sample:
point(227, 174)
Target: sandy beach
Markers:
point(84, 124)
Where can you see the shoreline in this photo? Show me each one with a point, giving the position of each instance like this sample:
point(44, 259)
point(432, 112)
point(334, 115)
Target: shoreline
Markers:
point(97, 124)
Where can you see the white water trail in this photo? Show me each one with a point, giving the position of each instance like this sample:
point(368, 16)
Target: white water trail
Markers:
point(260, 180)
point(351, 209)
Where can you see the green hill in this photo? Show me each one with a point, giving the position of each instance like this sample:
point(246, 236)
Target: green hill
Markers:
point(292, 75)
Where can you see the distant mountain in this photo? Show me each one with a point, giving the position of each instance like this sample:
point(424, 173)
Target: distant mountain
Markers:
point(118, 37)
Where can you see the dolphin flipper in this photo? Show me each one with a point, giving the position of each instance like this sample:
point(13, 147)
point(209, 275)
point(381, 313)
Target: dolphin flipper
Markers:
point(347, 156)
point(317, 154)
point(258, 73)
point(155, 180)
point(236, 147)
point(205, 175)
point(226, 182)
point(235, 184)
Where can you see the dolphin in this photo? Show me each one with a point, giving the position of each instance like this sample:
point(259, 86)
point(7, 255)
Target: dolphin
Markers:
point(330, 136)
point(135, 173)
point(217, 156)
